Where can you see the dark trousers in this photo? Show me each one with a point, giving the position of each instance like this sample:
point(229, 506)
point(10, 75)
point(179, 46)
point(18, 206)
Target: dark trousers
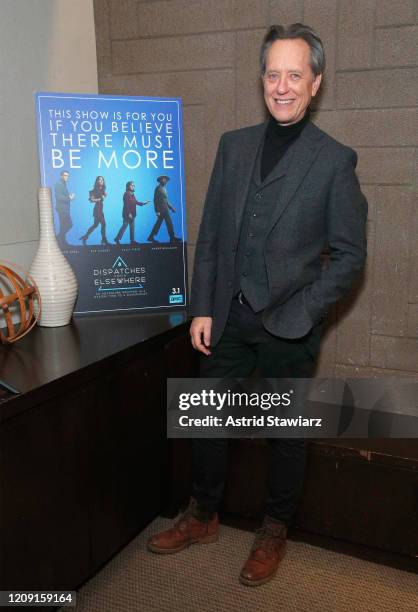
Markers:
point(126, 222)
point(66, 223)
point(163, 216)
point(244, 346)
point(98, 219)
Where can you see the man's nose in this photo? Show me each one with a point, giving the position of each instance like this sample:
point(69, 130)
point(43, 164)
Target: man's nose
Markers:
point(282, 85)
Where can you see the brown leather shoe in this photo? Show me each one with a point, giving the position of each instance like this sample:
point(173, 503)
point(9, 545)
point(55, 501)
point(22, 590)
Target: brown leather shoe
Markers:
point(268, 550)
point(187, 530)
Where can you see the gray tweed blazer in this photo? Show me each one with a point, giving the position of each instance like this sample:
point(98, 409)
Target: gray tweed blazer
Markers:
point(319, 206)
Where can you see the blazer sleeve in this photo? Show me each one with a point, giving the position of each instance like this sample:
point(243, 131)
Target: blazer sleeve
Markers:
point(61, 194)
point(160, 199)
point(125, 208)
point(205, 262)
point(346, 231)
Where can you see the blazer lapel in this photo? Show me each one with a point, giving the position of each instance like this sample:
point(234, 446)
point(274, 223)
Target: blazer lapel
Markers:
point(249, 153)
point(278, 172)
point(293, 167)
point(302, 155)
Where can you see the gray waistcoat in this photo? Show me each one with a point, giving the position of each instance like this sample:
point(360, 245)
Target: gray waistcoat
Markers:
point(250, 269)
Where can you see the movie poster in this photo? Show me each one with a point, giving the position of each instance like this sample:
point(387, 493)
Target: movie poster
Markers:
point(115, 169)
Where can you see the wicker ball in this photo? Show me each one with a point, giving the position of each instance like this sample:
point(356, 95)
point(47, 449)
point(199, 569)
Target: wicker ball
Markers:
point(19, 296)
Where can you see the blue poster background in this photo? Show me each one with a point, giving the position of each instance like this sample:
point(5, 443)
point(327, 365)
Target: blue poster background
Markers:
point(121, 139)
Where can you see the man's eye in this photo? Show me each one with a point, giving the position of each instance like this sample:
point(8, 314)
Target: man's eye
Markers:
point(295, 77)
point(272, 76)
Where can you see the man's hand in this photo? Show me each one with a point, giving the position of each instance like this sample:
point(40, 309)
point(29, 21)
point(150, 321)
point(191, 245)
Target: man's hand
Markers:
point(200, 332)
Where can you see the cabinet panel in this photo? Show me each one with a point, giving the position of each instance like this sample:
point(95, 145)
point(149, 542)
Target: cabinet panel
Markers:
point(127, 442)
point(44, 491)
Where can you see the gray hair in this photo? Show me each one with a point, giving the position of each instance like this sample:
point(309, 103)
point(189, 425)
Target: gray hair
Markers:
point(295, 30)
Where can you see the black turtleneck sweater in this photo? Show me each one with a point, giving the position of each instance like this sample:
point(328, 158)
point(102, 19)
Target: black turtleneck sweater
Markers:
point(277, 140)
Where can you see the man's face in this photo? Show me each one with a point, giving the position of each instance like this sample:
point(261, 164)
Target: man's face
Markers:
point(163, 181)
point(131, 186)
point(289, 83)
point(65, 176)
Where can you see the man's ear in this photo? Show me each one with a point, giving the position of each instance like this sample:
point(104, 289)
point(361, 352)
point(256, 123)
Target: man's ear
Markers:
point(316, 83)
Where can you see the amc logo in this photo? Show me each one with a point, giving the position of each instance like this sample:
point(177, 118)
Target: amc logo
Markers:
point(176, 299)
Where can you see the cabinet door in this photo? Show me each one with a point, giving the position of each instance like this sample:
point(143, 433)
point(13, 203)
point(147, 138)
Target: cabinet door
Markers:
point(182, 362)
point(127, 453)
point(43, 495)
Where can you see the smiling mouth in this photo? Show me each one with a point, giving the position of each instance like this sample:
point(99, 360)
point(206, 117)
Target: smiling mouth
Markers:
point(283, 102)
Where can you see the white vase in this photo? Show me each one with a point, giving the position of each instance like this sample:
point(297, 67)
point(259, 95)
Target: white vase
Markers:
point(52, 273)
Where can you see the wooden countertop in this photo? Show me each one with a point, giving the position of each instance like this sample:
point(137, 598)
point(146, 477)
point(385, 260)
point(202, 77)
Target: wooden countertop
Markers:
point(49, 357)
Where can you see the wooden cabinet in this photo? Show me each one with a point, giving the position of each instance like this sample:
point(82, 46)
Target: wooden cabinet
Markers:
point(83, 449)
point(44, 523)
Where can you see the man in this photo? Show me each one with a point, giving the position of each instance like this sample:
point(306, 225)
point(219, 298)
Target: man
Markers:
point(162, 208)
point(129, 213)
point(279, 193)
point(62, 204)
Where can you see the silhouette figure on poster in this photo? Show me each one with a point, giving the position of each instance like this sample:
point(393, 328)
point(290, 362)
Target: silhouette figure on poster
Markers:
point(63, 200)
point(129, 213)
point(162, 208)
point(97, 196)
